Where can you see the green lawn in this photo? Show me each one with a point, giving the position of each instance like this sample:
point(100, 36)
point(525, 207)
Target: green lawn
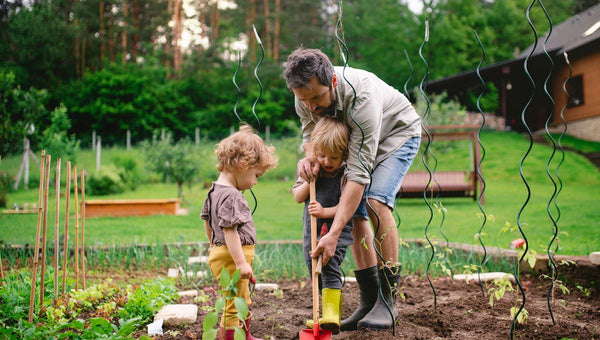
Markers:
point(279, 217)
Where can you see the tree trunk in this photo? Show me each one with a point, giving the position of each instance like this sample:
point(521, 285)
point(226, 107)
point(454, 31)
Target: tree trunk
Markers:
point(267, 27)
point(251, 15)
point(83, 57)
point(111, 35)
point(102, 31)
point(203, 27)
point(169, 40)
point(136, 35)
point(276, 33)
point(124, 34)
point(76, 47)
point(176, 37)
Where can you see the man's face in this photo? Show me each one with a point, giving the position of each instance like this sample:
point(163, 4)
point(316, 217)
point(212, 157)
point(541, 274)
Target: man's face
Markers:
point(318, 98)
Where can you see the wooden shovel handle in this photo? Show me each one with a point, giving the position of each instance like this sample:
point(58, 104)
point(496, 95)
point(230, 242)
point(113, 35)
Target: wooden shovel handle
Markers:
point(313, 242)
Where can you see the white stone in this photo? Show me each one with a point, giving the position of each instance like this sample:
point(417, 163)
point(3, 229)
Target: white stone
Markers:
point(197, 259)
point(595, 257)
point(350, 279)
point(485, 277)
point(196, 275)
point(188, 293)
point(266, 286)
point(172, 272)
point(177, 314)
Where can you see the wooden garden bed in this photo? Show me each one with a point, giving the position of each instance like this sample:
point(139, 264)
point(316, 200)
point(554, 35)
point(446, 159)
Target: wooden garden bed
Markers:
point(144, 207)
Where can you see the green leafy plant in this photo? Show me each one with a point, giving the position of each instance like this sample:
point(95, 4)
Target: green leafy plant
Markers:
point(105, 182)
point(228, 291)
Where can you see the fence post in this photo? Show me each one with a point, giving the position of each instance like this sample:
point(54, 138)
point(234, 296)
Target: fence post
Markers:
point(98, 152)
point(93, 140)
point(162, 134)
point(197, 136)
point(128, 139)
point(268, 133)
point(231, 130)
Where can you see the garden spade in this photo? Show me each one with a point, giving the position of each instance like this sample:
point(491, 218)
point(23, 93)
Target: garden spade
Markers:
point(315, 333)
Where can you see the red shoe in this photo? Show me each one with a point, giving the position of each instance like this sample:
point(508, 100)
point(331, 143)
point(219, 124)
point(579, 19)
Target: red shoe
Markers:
point(226, 334)
point(247, 330)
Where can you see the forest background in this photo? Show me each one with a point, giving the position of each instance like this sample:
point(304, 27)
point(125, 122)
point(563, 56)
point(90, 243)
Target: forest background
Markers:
point(145, 65)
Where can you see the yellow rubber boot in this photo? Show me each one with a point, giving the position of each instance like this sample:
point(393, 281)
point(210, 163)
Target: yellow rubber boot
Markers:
point(331, 316)
point(332, 307)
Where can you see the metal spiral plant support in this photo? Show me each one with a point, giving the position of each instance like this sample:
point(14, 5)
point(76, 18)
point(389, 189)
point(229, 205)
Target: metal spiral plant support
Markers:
point(562, 134)
point(478, 170)
point(516, 273)
point(344, 54)
point(262, 57)
point(554, 270)
point(239, 94)
point(239, 91)
point(427, 147)
point(412, 70)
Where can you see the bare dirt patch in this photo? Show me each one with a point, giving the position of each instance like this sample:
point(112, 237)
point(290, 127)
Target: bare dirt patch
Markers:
point(461, 312)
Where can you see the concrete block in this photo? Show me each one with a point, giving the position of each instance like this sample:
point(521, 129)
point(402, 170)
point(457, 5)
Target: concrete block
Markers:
point(349, 279)
point(177, 314)
point(266, 286)
point(197, 259)
point(188, 293)
point(595, 257)
point(485, 277)
point(196, 275)
point(172, 272)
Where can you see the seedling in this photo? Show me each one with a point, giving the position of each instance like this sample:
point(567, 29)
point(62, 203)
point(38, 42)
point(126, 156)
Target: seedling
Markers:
point(228, 291)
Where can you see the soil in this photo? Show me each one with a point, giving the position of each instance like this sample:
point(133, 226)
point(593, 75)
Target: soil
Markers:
point(460, 310)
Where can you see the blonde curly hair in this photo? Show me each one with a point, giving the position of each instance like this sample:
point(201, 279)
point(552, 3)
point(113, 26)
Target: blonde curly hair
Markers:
point(244, 150)
point(330, 135)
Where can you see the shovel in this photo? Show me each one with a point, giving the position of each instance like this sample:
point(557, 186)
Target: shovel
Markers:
point(315, 333)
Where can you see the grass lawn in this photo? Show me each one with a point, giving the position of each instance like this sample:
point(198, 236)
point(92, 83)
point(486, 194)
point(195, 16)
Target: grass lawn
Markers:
point(279, 217)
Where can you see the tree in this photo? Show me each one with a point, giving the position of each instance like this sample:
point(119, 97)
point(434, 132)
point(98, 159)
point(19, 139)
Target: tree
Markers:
point(176, 161)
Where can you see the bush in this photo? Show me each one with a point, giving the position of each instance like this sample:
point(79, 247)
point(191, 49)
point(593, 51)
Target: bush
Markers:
point(128, 171)
point(105, 182)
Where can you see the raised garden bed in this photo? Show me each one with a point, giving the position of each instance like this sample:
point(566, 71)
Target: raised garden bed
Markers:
point(119, 208)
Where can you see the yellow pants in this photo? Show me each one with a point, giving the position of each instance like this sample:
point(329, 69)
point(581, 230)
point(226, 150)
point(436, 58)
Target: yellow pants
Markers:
point(220, 257)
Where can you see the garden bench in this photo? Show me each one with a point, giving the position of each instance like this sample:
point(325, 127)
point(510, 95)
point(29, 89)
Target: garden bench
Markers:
point(138, 207)
point(464, 183)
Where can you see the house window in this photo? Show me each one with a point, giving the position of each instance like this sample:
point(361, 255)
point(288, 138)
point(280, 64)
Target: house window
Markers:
point(575, 90)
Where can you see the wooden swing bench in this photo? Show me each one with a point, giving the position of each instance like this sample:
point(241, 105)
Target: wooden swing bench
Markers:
point(447, 183)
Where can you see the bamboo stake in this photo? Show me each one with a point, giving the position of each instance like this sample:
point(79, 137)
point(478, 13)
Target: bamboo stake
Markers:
point(66, 239)
point(76, 204)
point(56, 236)
point(45, 228)
point(37, 236)
point(83, 228)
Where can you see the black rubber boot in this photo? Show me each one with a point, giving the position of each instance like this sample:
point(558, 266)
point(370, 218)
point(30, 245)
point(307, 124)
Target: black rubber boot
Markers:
point(379, 317)
point(367, 280)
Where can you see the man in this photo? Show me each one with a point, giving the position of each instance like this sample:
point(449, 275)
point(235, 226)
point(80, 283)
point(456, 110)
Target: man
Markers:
point(384, 139)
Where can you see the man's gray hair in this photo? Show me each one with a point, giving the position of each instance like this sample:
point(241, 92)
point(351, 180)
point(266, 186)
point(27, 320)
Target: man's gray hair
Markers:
point(305, 63)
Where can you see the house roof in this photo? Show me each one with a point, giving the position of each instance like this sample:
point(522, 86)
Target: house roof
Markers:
point(574, 32)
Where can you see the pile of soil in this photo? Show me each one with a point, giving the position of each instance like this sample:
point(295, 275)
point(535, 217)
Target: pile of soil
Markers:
point(460, 310)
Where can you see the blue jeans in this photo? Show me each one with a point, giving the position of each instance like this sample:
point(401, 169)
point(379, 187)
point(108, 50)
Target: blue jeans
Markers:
point(386, 178)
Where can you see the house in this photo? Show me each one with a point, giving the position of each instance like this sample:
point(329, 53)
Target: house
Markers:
point(576, 39)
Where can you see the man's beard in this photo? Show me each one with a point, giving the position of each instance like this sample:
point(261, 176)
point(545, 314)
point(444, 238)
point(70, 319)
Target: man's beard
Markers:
point(329, 111)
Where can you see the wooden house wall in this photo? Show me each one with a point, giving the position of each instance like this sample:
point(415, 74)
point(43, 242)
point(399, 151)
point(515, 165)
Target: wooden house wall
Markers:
point(587, 65)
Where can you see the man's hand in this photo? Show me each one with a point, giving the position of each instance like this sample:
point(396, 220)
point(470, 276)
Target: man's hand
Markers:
point(326, 245)
point(308, 168)
point(245, 271)
point(316, 209)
